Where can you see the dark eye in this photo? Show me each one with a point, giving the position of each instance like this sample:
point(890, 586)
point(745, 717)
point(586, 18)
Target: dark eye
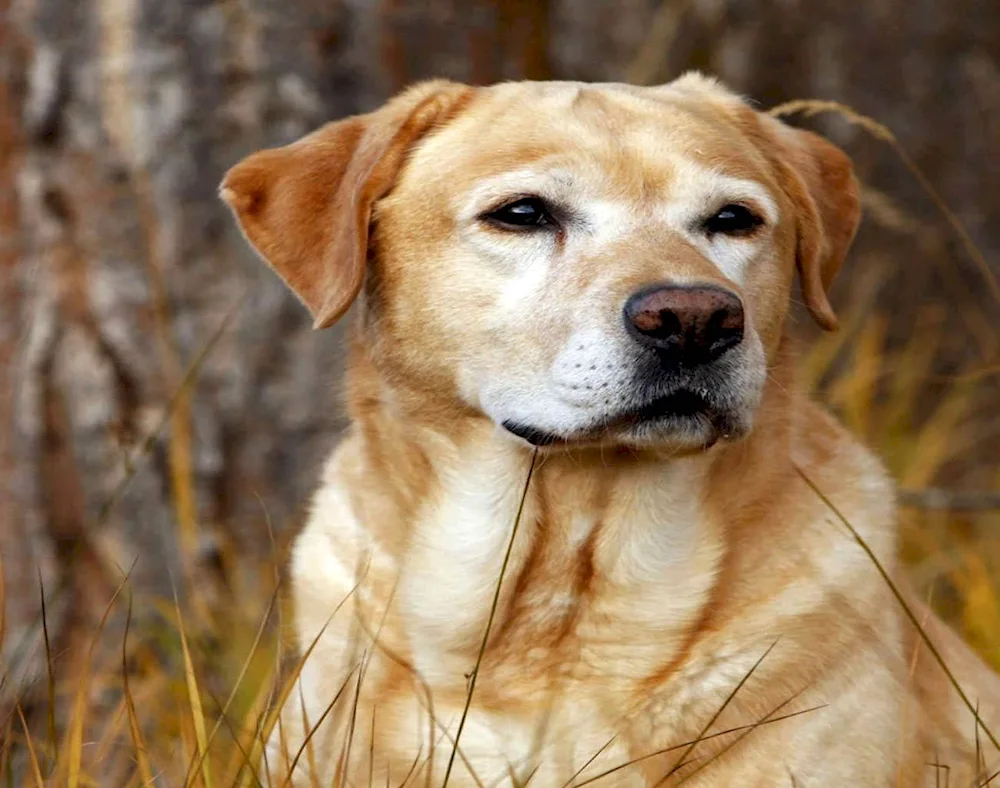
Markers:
point(526, 212)
point(733, 220)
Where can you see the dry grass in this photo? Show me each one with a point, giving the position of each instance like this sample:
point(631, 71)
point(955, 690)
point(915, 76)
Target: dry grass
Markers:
point(185, 693)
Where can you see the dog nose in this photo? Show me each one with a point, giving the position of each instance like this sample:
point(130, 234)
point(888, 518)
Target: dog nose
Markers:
point(697, 323)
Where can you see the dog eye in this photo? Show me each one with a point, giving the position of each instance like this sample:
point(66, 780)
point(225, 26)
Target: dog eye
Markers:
point(733, 220)
point(524, 213)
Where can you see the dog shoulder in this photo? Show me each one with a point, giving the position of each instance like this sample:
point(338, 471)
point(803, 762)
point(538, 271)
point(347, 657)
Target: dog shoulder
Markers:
point(334, 551)
point(842, 476)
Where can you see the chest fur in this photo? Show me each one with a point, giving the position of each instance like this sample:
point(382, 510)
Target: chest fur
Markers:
point(590, 578)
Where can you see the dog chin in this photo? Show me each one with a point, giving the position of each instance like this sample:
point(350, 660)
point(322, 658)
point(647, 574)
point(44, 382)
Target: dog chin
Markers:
point(682, 433)
point(688, 433)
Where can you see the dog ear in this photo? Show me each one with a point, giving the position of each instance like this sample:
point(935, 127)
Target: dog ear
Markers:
point(306, 207)
point(819, 178)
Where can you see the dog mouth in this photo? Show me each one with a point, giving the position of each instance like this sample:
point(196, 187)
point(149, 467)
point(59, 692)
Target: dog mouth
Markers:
point(680, 406)
point(533, 435)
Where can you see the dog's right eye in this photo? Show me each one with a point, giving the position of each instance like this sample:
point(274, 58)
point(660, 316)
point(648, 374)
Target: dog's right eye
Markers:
point(525, 213)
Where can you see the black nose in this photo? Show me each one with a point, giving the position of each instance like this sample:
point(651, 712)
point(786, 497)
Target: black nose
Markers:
point(698, 324)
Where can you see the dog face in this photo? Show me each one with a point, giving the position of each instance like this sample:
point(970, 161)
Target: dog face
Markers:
point(595, 264)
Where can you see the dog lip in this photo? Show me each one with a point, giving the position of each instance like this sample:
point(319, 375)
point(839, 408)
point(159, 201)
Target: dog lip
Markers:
point(682, 403)
point(678, 404)
point(532, 435)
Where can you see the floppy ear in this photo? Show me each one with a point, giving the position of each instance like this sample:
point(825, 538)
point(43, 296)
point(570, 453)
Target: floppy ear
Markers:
point(819, 178)
point(306, 207)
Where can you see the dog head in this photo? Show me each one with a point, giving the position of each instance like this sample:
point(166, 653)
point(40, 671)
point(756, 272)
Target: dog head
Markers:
point(580, 263)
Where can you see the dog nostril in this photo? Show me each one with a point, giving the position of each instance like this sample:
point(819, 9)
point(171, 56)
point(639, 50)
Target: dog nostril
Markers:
point(670, 325)
point(723, 330)
point(723, 323)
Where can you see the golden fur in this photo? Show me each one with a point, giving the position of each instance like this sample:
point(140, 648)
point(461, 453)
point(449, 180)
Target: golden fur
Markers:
point(661, 587)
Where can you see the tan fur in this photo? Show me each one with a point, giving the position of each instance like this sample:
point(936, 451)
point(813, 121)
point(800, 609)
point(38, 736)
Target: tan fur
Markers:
point(647, 576)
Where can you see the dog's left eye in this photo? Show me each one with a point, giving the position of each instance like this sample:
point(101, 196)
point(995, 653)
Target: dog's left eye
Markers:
point(524, 213)
point(733, 220)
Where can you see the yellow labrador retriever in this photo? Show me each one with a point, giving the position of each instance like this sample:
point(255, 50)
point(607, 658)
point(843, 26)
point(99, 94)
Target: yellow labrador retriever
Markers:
point(584, 527)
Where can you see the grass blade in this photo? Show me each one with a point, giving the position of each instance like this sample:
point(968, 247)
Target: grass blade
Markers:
point(768, 720)
point(194, 702)
point(50, 673)
point(74, 747)
point(743, 734)
point(589, 761)
point(682, 759)
point(36, 770)
point(880, 131)
point(135, 730)
point(902, 602)
point(322, 718)
point(489, 620)
point(238, 683)
point(274, 717)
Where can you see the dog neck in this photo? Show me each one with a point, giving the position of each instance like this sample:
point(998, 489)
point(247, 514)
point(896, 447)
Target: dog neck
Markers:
point(441, 492)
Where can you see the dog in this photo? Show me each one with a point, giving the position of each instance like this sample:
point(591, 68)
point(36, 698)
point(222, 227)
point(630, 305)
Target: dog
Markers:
point(584, 526)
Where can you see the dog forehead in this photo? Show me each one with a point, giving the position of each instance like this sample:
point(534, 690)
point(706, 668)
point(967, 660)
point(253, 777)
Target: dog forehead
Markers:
point(628, 135)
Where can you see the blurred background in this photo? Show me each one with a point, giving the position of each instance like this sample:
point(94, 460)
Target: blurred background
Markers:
point(164, 404)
